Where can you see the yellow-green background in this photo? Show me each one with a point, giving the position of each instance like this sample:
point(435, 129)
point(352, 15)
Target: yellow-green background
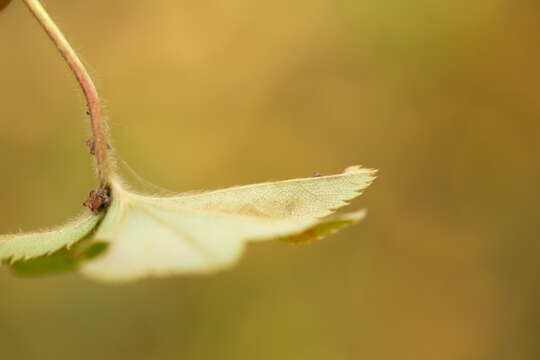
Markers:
point(442, 96)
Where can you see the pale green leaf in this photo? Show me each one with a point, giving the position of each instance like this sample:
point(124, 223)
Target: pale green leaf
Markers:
point(312, 197)
point(19, 247)
point(157, 236)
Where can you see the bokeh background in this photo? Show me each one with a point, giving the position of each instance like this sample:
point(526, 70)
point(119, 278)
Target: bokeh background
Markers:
point(441, 96)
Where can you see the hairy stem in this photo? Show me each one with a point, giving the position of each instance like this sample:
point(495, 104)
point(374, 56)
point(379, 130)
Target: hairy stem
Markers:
point(99, 143)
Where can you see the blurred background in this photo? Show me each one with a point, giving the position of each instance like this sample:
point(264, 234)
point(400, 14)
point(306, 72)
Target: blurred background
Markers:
point(441, 96)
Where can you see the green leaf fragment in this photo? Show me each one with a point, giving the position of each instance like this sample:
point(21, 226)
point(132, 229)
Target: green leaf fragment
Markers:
point(17, 247)
point(63, 260)
point(325, 227)
point(60, 261)
point(93, 250)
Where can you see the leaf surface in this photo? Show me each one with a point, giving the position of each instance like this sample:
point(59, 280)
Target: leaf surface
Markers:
point(312, 197)
point(158, 236)
point(19, 247)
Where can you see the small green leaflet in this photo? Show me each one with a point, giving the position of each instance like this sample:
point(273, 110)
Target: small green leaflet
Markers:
point(144, 236)
point(325, 227)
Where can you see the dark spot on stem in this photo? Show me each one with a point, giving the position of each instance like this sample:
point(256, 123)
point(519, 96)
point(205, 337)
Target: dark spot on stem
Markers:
point(91, 143)
point(99, 199)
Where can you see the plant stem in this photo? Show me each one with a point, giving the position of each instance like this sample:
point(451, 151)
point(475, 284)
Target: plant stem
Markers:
point(99, 143)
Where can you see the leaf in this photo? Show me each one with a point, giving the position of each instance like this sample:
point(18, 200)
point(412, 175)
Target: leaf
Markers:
point(19, 247)
point(60, 261)
point(313, 197)
point(64, 260)
point(325, 227)
point(4, 3)
point(159, 236)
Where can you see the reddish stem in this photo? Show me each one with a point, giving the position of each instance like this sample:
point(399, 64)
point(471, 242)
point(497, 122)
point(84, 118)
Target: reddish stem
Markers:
point(95, 110)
